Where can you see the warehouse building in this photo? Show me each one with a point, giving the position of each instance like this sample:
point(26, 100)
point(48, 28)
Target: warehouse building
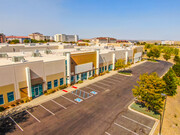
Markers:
point(29, 73)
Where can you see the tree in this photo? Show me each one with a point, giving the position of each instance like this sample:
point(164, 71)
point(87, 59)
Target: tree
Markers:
point(177, 59)
point(167, 56)
point(176, 51)
point(120, 64)
point(155, 52)
point(149, 91)
point(15, 41)
point(176, 69)
point(149, 54)
point(171, 82)
point(26, 41)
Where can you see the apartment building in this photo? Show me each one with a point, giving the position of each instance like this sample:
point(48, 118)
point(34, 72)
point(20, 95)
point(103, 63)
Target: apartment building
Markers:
point(65, 38)
point(2, 38)
point(29, 73)
point(20, 38)
point(100, 40)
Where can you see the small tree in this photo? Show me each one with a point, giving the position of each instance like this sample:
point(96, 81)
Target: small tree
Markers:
point(177, 59)
point(176, 69)
point(120, 64)
point(167, 56)
point(149, 55)
point(149, 91)
point(176, 51)
point(155, 52)
point(26, 41)
point(171, 82)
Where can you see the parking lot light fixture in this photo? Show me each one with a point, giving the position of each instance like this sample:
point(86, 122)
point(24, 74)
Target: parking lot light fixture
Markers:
point(162, 116)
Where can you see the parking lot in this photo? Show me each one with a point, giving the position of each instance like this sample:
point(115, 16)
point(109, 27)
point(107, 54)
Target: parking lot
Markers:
point(98, 108)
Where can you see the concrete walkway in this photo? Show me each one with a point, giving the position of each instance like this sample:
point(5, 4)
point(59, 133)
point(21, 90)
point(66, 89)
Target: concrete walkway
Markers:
point(45, 98)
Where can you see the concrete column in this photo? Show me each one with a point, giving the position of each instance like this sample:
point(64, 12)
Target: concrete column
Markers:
point(97, 61)
point(87, 74)
point(28, 79)
point(113, 60)
point(75, 78)
point(68, 58)
point(126, 57)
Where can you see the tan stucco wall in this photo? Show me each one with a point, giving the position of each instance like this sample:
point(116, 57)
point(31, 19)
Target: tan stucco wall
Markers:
point(54, 77)
point(6, 89)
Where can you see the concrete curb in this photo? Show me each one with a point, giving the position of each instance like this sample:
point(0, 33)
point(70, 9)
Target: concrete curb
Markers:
point(156, 120)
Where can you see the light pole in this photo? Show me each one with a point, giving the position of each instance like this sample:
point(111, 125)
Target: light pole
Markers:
point(162, 117)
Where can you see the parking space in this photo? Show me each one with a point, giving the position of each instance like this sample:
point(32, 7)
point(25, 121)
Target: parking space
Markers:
point(23, 119)
point(64, 102)
point(97, 87)
point(130, 123)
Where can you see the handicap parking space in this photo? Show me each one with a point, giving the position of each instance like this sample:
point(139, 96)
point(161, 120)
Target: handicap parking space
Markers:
point(131, 123)
point(82, 94)
point(71, 97)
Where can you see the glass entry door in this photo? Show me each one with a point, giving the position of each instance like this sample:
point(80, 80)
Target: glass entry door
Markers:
point(36, 91)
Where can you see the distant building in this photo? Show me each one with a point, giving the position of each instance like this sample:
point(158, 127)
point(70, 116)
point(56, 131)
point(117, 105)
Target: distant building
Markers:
point(66, 38)
point(36, 36)
point(2, 38)
point(167, 42)
point(103, 40)
point(20, 38)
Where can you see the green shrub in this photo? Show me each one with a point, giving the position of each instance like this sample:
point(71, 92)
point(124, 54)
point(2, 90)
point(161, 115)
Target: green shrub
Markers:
point(26, 100)
point(2, 108)
point(62, 86)
point(22, 101)
point(80, 81)
point(176, 69)
point(17, 103)
point(50, 91)
point(107, 71)
point(90, 78)
point(13, 105)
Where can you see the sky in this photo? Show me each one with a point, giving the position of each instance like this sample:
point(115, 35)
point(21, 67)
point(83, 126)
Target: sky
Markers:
point(122, 19)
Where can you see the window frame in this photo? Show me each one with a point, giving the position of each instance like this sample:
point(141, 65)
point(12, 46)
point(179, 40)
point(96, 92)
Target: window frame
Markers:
point(48, 85)
point(8, 96)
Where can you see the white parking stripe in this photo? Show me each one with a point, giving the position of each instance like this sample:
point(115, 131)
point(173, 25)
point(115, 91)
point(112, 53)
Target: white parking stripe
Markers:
point(68, 99)
point(58, 104)
point(107, 133)
point(33, 116)
point(116, 77)
point(103, 83)
point(109, 82)
point(113, 79)
point(126, 129)
point(47, 110)
point(136, 122)
point(92, 88)
point(16, 123)
point(99, 86)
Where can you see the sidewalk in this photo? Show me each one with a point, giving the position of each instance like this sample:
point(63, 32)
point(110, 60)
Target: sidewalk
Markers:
point(45, 98)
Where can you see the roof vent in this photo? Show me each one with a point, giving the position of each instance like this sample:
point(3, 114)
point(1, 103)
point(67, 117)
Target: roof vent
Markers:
point(48, 51)
point(36, 53)
point(3, 55)
point(18, 58)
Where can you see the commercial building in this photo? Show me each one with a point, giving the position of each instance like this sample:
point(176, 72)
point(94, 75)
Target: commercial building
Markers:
point(20, 38)
point(65, 38)
point(100, 40)
point(2, 38)
point(36, 36)
point(167, 42)
point(29, 72)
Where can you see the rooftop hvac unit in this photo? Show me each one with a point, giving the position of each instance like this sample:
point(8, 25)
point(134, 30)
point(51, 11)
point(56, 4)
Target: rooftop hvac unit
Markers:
point(3, 55)
point(78, 49)
point(36, 54)
point(18, 58)
point(48, 51)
